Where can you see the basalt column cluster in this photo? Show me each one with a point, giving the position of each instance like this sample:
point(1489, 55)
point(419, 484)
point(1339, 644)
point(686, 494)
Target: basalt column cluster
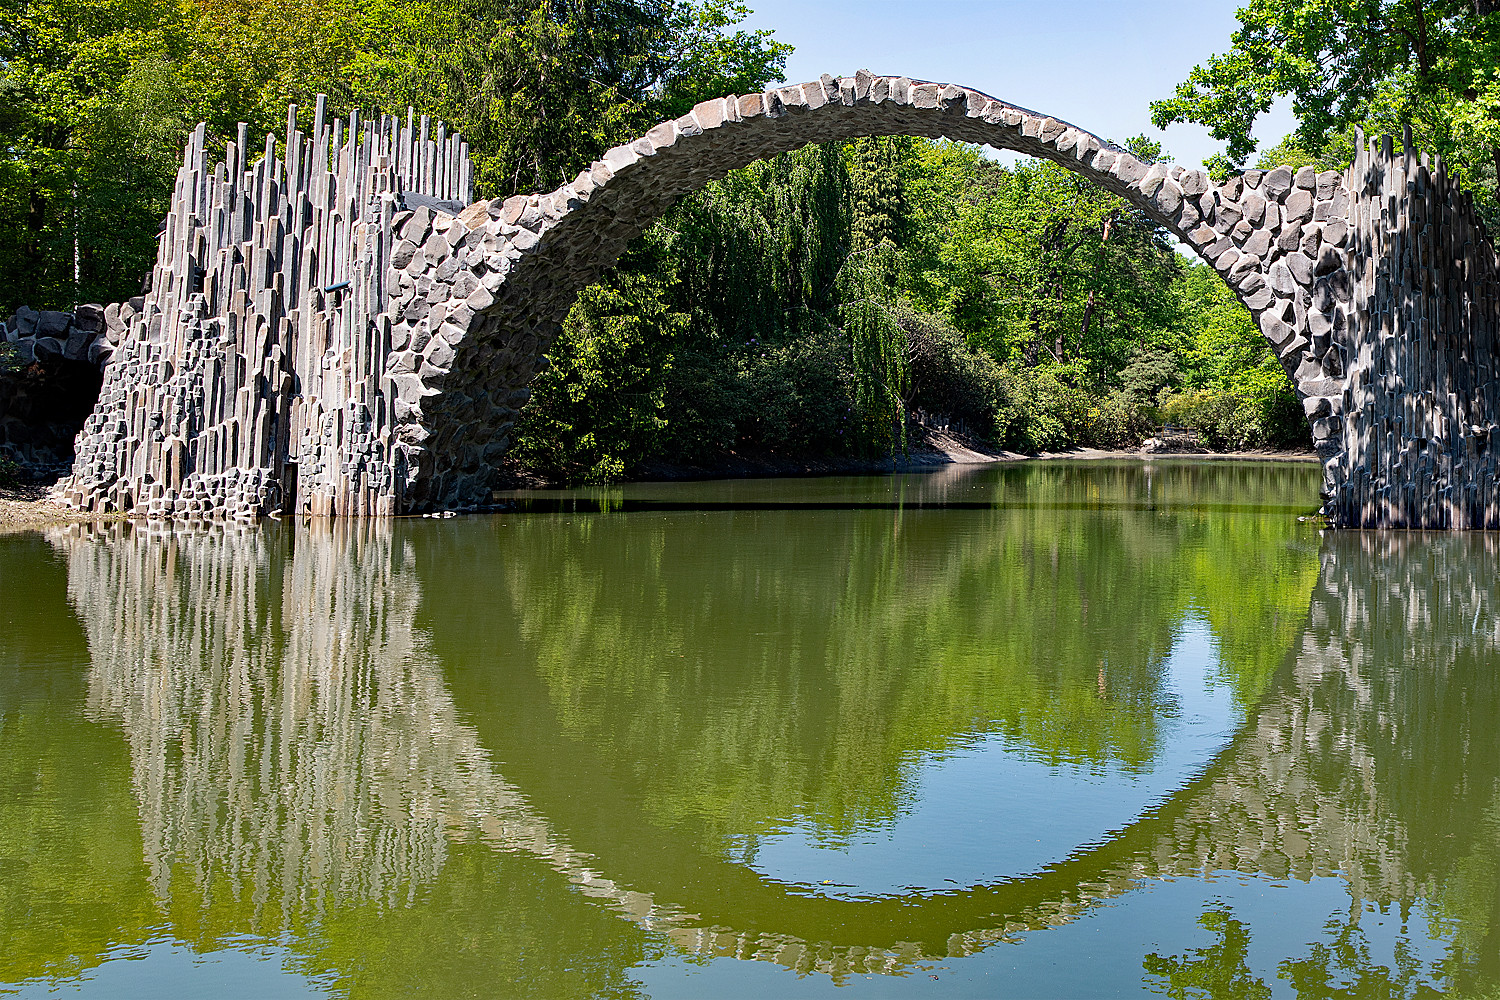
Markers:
point(1413, 443)
point(252, 380)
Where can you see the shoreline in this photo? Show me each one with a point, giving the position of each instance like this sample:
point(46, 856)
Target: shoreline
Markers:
point(29, 507)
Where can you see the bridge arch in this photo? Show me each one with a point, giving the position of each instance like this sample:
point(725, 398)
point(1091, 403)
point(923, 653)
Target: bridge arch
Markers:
point(461, 365)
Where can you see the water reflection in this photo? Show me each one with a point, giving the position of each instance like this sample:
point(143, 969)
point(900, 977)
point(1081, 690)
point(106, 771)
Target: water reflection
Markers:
point(424, 755)
point(295, 753)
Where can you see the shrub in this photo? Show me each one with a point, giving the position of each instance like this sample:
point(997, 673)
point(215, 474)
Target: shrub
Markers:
point(950, 378)
point(1120, 420)
point(1223, 420)
point(795, 397)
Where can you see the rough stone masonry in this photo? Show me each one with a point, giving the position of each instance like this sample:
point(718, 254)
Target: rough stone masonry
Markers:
point(341, 332)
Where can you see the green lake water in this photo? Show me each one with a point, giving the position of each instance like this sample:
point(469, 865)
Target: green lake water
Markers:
point(1041, 729)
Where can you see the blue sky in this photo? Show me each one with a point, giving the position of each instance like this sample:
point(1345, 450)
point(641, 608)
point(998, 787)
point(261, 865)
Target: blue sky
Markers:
point(1095, 63)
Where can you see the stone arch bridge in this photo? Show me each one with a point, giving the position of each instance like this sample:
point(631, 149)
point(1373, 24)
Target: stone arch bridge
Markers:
point(342, 332)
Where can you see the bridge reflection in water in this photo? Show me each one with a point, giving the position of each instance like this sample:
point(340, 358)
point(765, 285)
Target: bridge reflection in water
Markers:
point(384, 742)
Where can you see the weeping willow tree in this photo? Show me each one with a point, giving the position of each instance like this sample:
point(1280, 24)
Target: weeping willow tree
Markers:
point(755, 319)
point(868, 281)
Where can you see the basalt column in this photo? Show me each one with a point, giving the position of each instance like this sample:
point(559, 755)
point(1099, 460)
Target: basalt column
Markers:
point(252, 380)
point(1415, 321)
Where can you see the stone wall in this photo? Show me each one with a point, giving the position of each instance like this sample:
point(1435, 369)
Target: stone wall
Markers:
point(1409, 437)
point(91, 333)
point(253, 378)
point(54, 382)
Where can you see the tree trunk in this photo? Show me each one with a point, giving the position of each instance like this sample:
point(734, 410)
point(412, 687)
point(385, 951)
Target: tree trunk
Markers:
point(1422, 63)
point(1495, 153)
point(1060, 347)
point(1088, 315)
point(1088, 309)
point(36, 221)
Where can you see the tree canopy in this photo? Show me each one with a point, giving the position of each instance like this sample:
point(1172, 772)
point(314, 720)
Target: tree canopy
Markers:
point(821, 303)
point(1382, 65)
point(98, 96)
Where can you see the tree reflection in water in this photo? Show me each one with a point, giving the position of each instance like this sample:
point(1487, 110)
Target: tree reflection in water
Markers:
point(377, 738)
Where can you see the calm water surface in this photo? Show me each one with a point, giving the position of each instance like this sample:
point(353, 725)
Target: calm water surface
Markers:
point(1053, 729)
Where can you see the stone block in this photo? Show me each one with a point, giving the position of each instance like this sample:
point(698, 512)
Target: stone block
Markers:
point(76, 347)
point(1276, 183)
point(475, 215)
point(1306, 178)
point(1312, 239)
point(1217, 249)
point(1280, 278)
point(418, 225)
point(708, 114)
point(402, 254)
point(1194, 183)
point(1274, 329)
point(1329, 260)
point(1297, 207)
point(1316, 407)
point(619, 160)
point(1156, 175)
point(89, 317)
point(1258, 243)
point(1188, 217)
point(1253, 203)
point(1128, 169)
point(54, 324)
point(1259, 299)
point(1169, 199)
point(480, 299)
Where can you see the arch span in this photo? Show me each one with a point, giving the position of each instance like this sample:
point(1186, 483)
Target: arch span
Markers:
point(337, 334)
point(463, 377)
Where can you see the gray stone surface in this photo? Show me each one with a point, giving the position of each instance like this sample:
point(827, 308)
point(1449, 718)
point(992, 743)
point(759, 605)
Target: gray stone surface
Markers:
point(83, 335)
point(381, 372)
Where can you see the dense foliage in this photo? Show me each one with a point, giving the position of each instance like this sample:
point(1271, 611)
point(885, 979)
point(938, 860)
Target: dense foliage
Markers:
point(96, 97)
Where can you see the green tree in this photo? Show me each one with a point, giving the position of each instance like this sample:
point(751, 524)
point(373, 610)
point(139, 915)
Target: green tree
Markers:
point(90, 116)
point(1218, 971)
point(96, 98)
point(1431, 65)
